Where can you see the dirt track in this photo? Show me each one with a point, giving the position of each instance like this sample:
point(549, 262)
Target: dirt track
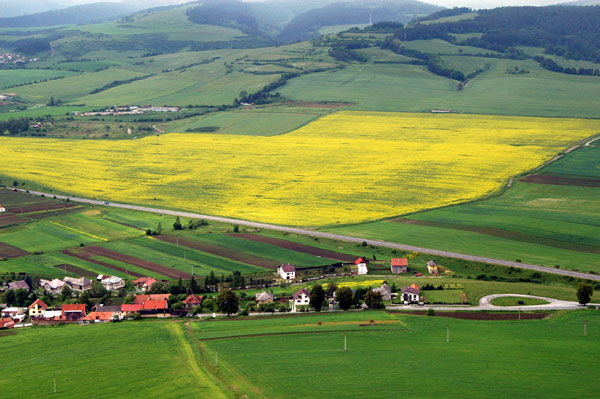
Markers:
point(294, 246)
point(221, 251)
point(561, 180)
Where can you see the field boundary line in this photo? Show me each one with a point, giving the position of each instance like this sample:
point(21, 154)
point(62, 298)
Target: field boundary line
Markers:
point(78, 231)
point(320, 234)
point(299, 333)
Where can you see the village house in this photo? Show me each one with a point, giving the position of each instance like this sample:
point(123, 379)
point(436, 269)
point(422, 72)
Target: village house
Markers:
point(192, 301)
point(399, 265)
point(52, 286)
point(81, 284)
point(129, 309)
point(361, 266)
point(99, 317)
point(17, 314)
point(432, 267)
point(264, 297)
point(300, 298)
point(2, 209)
point(385, 291)
point(37, 308)
point(287, 272)
point(152, 302)
point(6, 322)
point(111, 283)
point(18, 285)
point(73, 312)
point(52, 315)
point(411, 294)
point(144, 283)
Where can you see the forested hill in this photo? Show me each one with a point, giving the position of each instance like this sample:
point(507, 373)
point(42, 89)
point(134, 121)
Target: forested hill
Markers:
point(569, 31)
point(82, 14)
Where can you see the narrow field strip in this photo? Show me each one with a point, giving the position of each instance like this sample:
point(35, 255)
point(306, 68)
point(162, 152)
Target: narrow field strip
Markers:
point(78, 231)
point(9, 251)
point(88, 258)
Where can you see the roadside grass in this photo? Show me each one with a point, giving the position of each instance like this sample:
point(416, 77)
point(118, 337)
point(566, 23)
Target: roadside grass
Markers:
point(517, 301)
point(105, 359)
point(414, 346)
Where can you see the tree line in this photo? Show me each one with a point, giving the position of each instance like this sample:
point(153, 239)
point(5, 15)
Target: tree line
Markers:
point(14, 126)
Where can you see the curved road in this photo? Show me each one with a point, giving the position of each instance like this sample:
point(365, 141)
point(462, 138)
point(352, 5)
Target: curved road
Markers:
point(320, 234)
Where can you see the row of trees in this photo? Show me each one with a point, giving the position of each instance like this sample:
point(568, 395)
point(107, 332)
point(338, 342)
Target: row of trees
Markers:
point(14, 126)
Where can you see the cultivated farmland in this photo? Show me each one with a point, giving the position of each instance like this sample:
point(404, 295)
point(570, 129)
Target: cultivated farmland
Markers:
point(345, 167)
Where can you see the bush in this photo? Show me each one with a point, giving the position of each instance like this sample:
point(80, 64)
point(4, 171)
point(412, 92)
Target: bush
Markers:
point(430, 312)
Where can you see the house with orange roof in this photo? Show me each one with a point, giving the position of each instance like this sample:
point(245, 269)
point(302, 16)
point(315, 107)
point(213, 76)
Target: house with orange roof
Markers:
point(6, 322)
point(37, 308)
point(192, 301)
point(144, 283)
point(99, 317)
point(131, 308)
point(399, 265)
point(73, 312)
point(154, 305)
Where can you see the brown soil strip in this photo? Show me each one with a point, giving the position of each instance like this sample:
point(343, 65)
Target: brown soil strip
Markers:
point(294, 246)
point(9, 220)
point(56, 212)
point(8, 251)
point(561, 180)
point(295, 333)
point(88, 258)
point(123, 224)
point(509, 235)
point(77, 270)
point(478, 315)
point(17, 209)
point(222, 251)
point(155, 267)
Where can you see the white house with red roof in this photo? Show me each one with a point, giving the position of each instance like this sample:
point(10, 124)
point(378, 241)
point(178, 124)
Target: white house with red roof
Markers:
point(287, 272)
point(144, 283)
point(411, 294)
point(361, 266)
point(300, 298)
point(37, 308)
point(399, 265)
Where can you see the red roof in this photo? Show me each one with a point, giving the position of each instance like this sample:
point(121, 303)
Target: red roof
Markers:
point(399, 262)
point(154, 305)
point(131, 308)
point(150, 282)
point(98, 316)
point(142, 280)
point(359, 261)
point(40, 303)
point(413, 285)
point(140, 299)
point(193, 300)
point(299, 293)
point(77, 307)
point(6, 322)
point(288, 268)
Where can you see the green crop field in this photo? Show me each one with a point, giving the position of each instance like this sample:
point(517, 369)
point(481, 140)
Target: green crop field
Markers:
point(517, 301)
point(538, 223)
point(483, 359)
point(12, 77)
point(133, 359)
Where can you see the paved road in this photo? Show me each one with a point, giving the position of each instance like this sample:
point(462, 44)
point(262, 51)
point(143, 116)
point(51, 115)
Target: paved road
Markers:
point(485, 303)
point(320, 234)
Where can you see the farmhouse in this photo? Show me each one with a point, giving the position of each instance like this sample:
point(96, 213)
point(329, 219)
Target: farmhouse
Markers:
point(37, 308)
point(264, 297)
point(385, 291)
point(99, 317)
point(18, 285)
point(17, 314)
point(140, 299)
point(287, 272)
point(6, 322)
point(361, 264)
point(81, 284)
point(300, 298)
point(432, 267)
point(2, 209)
point(144, 283)
point(52, 286)
point(192, 301)
point(130, 308)
point(399, 265)
point(73, 312)
point(111, 283)
point(410, 294)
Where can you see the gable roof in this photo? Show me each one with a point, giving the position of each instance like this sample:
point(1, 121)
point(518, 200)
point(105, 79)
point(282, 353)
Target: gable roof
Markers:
point(149, 282)
point(17, 285)
point(75, 307)
point(399, 262)
point(264, 296)
point(99, 316)
point(411, 290)
point(142, 280)
point(40, 303)
point(413, 285)
point(77, 281)
point(299, 293)
point(140, 299)
point(130, 307)
point(431, 263)
point(154, 305)
point(360, 260)
point(193, 300)
point(53, 284)
point(288, 268)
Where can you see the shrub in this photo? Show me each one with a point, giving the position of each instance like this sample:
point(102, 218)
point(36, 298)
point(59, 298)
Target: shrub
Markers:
point(430, 312)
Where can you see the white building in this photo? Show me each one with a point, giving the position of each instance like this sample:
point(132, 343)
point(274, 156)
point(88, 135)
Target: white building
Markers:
point(287, 272)
point(300, 298)
point(361, 266)
point(111, 283)
point(53, 286)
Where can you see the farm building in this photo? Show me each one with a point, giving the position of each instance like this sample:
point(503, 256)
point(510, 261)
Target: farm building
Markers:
point(99, 317)
point(361, 265)
point(385, 291)
point(300, 298)
point(18, 285)
point(264, 297)
point(411, 294)
point(131, 308)
point(432, 267)
point(53, 286)
point(399, 265)
point(287, 272)
point(192, 301)
point(78, 284)
point(144, 283)
point(6, 322)
point(37, 308)
point(73, 312)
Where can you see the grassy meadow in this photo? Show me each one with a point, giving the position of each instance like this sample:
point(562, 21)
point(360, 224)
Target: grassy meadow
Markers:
point(305, 177)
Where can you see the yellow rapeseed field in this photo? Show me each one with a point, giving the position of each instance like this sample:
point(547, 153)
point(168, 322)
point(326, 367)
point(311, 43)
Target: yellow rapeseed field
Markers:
point(346, 167)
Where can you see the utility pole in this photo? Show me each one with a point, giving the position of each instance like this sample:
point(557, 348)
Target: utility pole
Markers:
point(585, 328)
point(55, 382)
point(447, 334)
point(216, 358)
point(345, 346)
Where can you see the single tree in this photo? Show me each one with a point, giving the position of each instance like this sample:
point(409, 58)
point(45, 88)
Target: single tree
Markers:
point(159, 229)
point(177, 225)
point(331, 288)
point(228, 302)
point(84, 298)
point(373, 300)
point(344, 297)
point(66, 293)
point(584, 293)
point(317, 297)
point(193, 288)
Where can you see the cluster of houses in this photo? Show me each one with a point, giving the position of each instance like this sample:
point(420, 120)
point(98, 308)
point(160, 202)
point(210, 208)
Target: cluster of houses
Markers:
point(132, 110)
point(81, 284)
point(12, 58)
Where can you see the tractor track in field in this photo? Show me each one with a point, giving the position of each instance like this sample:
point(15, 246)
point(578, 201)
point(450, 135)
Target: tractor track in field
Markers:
point(320, 234)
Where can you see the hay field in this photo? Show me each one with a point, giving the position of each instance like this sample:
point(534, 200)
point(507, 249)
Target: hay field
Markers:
point(346, 167)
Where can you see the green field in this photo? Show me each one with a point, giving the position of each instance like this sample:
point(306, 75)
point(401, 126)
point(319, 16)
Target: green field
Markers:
point(133, 359)
point(535, 223)
point(517, 301)
point(12, 77)
point(413, 346)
